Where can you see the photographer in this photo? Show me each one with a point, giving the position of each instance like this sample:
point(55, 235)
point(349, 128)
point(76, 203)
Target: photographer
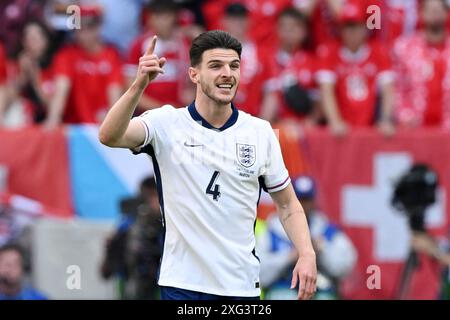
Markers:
point(133, 252)
point(336, 254)
point(413, 194)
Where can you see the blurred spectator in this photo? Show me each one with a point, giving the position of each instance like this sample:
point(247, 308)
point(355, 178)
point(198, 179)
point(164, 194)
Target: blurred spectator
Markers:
point(13, 284)
point(33, 77)
point(336, 255)
point(88, 76)
point(352, 75)
point(173, 87)
point(296, 67)
point(263, 16)
point(399, 19)
point(121, 22)
point(323, 16)
point(3, 84)
point(423, 70)
point(14, 14)
point(133, 252)
point(56, 15)
point(256, 94)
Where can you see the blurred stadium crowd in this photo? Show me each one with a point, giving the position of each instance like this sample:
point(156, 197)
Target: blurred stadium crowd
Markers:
point(337, 64)
point(313, 62)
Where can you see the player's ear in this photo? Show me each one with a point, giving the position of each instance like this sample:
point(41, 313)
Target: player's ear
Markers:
point(194, 75)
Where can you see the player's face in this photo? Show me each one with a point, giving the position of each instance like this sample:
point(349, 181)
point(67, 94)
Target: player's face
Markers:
point(218, 75)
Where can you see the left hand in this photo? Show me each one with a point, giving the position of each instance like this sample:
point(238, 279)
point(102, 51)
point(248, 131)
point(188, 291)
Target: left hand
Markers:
point(305, 275)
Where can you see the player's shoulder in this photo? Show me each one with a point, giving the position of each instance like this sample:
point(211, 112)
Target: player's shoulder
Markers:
point(166, 111)
point(249, 121)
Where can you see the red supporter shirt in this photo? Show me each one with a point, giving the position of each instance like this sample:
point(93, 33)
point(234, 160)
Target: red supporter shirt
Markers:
point(90, 75)
point(300, 69)
point(166, 88)
point(423, 85)
point(257, 77)
point(323, 24)
point(263, 18)
point(356, 77)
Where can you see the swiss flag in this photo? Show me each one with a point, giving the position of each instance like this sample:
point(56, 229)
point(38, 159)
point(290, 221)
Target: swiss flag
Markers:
point(355, 176)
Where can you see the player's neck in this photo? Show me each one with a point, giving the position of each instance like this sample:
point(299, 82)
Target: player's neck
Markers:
point(215, 114)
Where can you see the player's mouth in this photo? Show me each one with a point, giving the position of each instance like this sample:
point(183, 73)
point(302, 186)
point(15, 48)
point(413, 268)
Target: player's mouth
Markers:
point(225, 86)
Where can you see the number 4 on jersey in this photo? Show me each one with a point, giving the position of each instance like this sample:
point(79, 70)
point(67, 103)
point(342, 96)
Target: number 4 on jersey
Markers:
point(213, 188)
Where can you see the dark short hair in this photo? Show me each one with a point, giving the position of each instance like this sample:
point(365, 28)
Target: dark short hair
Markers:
point(212, 40)
point(236, 10)
point(293, 13)
point(12, 247)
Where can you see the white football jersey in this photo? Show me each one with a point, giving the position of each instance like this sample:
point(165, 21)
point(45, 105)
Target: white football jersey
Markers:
point(209, 182)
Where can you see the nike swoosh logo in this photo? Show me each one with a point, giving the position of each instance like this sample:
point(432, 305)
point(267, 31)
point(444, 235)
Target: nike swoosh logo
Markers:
point(186, 144)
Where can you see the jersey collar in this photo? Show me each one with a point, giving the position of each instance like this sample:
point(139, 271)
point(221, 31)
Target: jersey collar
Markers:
point(197, 117)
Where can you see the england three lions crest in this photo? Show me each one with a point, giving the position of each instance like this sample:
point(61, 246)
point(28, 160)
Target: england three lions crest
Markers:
point(246, 154)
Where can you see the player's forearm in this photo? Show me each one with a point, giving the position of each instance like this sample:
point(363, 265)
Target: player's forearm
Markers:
point(118, 117)
point(295, 224)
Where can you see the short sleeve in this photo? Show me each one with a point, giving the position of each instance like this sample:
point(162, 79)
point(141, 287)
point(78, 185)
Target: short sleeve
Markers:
point(151, 121)
point(384, 62)
point(325, 65)
point(275, 175)
point(62, 63)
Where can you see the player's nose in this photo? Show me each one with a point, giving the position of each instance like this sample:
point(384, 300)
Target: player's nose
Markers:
point(226, 71)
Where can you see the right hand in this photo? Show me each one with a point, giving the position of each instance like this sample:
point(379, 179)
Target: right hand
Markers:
point(150, 65)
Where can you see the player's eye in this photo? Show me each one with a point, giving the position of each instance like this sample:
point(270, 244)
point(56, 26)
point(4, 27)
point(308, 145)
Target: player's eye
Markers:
point(214, 66)
point(235, 66)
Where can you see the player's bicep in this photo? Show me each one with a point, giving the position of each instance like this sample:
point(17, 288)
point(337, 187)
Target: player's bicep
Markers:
point(136, 134)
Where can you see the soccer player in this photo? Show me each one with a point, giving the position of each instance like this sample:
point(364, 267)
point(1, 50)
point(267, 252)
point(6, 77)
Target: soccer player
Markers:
point(210, 163)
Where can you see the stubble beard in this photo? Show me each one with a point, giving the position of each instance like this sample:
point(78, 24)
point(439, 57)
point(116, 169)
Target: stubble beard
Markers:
point(208, 91)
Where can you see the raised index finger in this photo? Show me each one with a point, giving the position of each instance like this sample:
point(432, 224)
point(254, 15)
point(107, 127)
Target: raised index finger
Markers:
point(151, 48)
